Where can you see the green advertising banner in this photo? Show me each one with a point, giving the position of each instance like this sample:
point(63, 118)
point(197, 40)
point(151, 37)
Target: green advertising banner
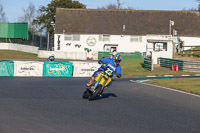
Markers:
point(6, 68)
point(13, 30)
point(57, 69)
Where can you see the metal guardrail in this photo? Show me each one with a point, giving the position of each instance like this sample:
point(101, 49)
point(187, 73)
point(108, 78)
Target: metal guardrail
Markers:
point(166, 62)
point(187, 66)
point(148, 64)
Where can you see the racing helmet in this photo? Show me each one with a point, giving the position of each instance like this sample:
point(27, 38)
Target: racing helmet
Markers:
point(117, 59)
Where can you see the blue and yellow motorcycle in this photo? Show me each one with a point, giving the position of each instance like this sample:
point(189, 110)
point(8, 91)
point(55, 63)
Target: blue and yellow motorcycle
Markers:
point(102, 79)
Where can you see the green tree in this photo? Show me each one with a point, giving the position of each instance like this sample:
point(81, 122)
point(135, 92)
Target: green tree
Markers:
point(47, 17)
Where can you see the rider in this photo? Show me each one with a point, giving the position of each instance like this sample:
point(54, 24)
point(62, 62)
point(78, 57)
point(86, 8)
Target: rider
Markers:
point(115, 62)
point(51, 58)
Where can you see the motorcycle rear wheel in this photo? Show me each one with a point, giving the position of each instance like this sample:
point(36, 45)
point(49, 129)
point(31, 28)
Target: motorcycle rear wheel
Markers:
point(97, 91)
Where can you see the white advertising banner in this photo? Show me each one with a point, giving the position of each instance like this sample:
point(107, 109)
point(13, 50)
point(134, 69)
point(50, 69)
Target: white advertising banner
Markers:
point(28, 68)
point(84, 69)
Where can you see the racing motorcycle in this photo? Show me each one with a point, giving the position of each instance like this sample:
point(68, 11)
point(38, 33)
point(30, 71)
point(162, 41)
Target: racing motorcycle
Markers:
point(102, 79)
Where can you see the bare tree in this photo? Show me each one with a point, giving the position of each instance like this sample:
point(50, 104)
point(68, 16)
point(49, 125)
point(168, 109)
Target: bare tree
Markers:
point(29, 15)
point(115, 6)
point(2, 14)
point(198, 5)
point(109, 6)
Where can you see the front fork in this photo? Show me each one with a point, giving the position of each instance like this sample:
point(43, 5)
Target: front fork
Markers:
point(92, 88)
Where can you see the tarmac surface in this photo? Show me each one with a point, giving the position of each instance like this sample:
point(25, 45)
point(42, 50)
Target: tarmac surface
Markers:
point(55, 105)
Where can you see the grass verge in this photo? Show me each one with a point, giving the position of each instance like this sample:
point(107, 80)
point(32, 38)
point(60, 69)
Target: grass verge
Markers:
point(12, 55)
point(133, 68)
point(190, 85)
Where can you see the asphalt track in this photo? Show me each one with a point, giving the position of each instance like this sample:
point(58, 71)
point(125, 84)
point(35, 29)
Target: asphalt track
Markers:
point(55, 105)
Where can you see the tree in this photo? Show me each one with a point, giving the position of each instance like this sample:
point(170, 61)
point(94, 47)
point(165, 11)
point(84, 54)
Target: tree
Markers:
point(47, 17)
point(29, 15)
point(2, 14)
point(109, 6)
point(118, 5)
point(198, 4)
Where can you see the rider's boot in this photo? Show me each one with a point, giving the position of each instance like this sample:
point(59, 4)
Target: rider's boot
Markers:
point(90, 82)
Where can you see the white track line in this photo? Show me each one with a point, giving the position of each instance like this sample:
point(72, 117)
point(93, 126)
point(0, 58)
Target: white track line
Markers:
point(168, 75)
point(166, 88)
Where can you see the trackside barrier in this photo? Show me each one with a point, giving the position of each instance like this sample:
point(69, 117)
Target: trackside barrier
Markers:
point(84, 69)
point(187, 66)
point(166, 62)
point(57, 69)
point(148, 64)
point(6, 68)
point(47, 69)
point(28, 68)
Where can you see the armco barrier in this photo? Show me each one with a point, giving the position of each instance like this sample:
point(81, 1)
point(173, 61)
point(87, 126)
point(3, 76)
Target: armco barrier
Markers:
point(84, 69)
point(187, 66)
point(148, 64)
point(6, 68)
point(57, 69)
point(166, 62)
point(28, 68)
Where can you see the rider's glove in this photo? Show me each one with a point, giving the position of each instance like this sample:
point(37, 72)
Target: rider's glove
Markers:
point(100, 62)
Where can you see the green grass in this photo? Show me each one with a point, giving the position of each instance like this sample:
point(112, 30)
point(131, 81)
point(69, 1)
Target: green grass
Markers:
point(193, 52)
point(12, 55)
point(133, 68)
point(191, 85)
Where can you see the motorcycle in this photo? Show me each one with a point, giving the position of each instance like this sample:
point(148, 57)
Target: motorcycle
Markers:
point(102, 79)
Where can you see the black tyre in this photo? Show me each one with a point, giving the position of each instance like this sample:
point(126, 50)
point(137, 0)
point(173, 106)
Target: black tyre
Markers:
point(97, 91)
point(86, 94)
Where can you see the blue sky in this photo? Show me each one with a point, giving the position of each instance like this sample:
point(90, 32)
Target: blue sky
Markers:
point(13, 8)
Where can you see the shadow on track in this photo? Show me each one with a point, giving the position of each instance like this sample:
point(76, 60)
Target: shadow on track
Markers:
point(106, 95)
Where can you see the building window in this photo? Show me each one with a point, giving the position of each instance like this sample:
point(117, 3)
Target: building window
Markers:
point(72, 37)
point(136, 39)
point(104, 38)
point(160, 47)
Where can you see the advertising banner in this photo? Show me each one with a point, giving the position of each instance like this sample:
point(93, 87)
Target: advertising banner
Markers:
point(6, 68)
point(57, 69)
point(84, 69)
point(28, 68)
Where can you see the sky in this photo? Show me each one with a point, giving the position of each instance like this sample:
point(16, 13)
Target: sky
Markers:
point(13, 8)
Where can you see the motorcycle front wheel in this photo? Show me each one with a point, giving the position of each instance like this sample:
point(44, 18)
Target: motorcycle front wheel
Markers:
point(96, 92)
point(86, 94)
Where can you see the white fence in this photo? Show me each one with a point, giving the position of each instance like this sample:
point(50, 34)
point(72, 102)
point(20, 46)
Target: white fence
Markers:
point(43, 53)
point(19, 47)
point(63, 55)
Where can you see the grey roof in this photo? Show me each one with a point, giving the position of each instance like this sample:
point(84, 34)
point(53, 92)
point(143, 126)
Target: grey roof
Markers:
point(137, 22)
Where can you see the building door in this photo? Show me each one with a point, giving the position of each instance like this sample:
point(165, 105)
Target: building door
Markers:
point(110, 47)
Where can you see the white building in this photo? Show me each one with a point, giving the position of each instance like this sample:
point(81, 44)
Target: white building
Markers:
point(78, 31)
